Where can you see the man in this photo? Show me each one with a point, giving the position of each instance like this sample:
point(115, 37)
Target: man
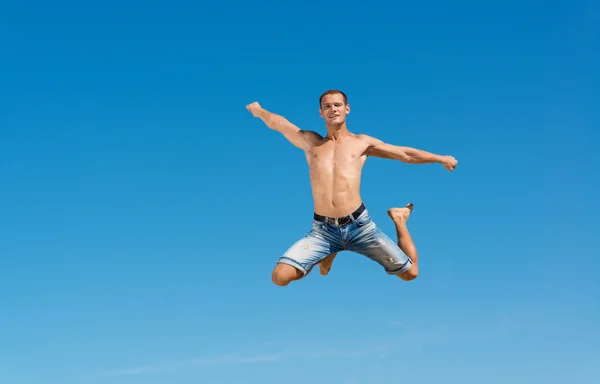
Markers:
point(341, 220)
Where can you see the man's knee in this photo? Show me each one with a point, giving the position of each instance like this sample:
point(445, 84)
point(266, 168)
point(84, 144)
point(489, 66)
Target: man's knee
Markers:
point(283, 274)
point(409, 275)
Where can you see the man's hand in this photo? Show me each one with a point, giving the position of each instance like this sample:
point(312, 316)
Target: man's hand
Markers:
point(449, 162)
point(254, 108)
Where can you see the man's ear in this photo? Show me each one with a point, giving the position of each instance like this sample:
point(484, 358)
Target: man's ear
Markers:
point(347, 109)
point(320, 112)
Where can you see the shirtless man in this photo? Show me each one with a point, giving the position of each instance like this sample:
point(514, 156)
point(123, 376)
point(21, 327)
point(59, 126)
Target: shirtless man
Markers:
point(341, 220)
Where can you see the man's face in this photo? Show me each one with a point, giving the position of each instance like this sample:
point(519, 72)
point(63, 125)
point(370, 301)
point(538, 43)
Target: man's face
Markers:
point(333, 109)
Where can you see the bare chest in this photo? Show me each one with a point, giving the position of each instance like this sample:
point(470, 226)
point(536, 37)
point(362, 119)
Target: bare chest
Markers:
point(336, 155)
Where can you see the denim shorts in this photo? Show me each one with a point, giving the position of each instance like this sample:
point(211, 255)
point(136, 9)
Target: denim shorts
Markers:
point(361, 236)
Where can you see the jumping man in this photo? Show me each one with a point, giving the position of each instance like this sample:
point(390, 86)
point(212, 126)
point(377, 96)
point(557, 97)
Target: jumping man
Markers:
point(341, 221)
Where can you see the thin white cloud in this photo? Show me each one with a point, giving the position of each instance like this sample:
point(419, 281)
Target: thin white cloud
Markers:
point(238, 359)
point(414, 340)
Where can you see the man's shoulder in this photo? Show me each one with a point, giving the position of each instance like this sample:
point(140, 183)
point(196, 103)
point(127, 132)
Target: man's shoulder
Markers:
point(311, 133)
point(366, 138)
point(312, 136)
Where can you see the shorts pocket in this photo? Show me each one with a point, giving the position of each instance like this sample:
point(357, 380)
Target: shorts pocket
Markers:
point(363, 220)
point(318, 226)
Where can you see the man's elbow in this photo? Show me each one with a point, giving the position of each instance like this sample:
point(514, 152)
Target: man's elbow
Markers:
point(277, 123)
point(405, 158)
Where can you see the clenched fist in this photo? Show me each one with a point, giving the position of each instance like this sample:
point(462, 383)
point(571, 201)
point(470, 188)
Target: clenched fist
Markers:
point(254, 108)
point(449, 163)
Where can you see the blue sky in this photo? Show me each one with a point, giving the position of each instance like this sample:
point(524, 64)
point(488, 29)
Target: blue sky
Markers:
point(143, 208)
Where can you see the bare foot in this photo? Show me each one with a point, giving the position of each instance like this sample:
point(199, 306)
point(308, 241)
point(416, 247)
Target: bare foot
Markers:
point(325, 264)
point(401, 214)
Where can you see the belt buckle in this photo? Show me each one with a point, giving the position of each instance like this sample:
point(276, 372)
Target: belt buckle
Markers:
point(338, 221)
point(343, 220)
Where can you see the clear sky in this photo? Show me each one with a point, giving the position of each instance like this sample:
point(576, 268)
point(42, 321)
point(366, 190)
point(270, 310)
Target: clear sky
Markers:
point(143, 208)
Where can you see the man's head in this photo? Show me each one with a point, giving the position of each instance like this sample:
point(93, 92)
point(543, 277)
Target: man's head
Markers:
point(333, 107)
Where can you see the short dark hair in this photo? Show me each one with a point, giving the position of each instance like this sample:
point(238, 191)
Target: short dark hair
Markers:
point(333, 92)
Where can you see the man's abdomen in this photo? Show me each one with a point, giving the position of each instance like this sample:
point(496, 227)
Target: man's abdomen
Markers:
point(335, 197)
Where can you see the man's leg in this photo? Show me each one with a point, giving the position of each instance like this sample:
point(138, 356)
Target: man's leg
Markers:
point(405, 242)
point(318, 244)
point(283, 274)
point(325, 265)
point(399, 259)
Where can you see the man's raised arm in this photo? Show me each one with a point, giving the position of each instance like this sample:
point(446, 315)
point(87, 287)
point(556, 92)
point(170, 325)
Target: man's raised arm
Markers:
point(282, 125)
point(378, 148)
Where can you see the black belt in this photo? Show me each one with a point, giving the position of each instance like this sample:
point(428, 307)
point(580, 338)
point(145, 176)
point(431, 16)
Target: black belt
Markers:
point(341, 220)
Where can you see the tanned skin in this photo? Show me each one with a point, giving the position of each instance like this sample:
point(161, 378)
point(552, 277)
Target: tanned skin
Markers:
point(336, 162)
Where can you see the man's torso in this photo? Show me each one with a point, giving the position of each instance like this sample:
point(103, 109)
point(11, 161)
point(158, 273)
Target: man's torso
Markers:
point(335, 173)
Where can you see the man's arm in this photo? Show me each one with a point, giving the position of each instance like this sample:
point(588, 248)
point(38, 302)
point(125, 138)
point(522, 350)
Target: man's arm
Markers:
point(280, 124)
point(378, 148)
